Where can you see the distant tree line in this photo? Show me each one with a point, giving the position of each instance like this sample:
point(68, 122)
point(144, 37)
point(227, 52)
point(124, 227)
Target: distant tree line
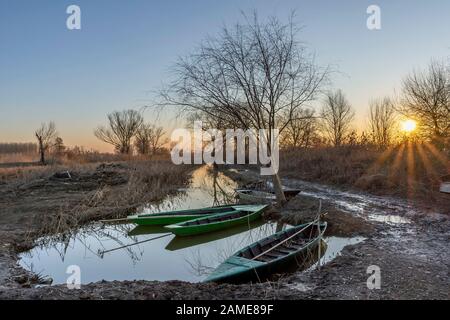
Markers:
point(24, 148)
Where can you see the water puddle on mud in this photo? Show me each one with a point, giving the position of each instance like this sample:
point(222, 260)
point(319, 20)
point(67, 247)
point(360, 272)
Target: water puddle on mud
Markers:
point(389, 219)
point(166, 257)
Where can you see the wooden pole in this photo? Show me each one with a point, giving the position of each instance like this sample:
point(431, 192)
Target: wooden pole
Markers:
point(101, 253)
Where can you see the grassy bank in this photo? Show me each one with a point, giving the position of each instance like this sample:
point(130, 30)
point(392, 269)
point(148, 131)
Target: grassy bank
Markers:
point(411, 171)
point(40, 200)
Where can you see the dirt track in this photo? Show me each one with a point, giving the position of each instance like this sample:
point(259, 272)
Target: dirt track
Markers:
point(414, 257)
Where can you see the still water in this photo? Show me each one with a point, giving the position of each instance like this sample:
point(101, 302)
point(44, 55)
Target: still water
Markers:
point(155, 254)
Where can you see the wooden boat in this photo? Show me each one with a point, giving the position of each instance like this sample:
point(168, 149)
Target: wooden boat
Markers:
point(178, 243)
point(260, 196)
point(242, 214)
point(445, 184)
point(254, 196)
point(445, 187)
point(171, 217)
point(270, 255)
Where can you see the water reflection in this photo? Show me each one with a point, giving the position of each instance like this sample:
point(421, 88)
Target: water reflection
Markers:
point(178, 243)
point(208, 188)
point(150, 253)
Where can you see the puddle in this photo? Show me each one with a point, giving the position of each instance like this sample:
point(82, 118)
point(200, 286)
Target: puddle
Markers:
point(389, 219)
point(367, 207)
point(155, 254)
point(335, 245)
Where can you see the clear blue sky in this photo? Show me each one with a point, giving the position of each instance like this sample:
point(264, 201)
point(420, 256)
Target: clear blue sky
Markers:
point(124, 51)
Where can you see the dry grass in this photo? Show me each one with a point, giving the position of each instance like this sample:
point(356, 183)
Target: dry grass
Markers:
point(408, 170)
point(55, 204)
point(132, 185)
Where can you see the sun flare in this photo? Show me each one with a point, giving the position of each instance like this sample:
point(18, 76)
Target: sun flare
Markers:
point(409, 126)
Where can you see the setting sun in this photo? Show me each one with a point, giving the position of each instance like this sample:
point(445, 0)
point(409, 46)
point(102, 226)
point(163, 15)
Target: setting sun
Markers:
point(409, 126)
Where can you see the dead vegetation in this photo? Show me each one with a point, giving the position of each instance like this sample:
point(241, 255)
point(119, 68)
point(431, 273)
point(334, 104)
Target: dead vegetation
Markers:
point(410, 170)
point(58, 199)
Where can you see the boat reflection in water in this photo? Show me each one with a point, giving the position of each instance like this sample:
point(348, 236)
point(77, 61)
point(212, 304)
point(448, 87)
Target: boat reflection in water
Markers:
point(178, 243)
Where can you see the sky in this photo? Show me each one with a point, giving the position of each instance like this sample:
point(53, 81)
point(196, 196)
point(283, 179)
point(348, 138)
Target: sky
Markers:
point(124, 51)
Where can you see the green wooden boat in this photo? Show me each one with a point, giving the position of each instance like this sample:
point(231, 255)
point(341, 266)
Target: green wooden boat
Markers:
point(178, 243)
point(270, 255)
point(242, 214)
point(171, 217)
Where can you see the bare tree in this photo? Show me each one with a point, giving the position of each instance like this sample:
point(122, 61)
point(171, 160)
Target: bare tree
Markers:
point(157, 140)
point(122, 127)
point(149, 139)
point(301, 131)
point(426, 98)
point(45, 136)
point(250, 75)
point(337, 116)
point(142, 139)
point(382, 120)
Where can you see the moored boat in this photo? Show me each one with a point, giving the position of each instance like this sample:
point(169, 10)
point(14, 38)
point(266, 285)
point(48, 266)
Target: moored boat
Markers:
point(445, 184)
point(254, 196)
point(242, 214)
point(261, 196)
point(171, 217)
point(270, 255)
point(445, 187)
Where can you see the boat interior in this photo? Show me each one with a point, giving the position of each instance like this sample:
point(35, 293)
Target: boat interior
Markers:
point(199, 211)
point(260, 249)
point(224, 217)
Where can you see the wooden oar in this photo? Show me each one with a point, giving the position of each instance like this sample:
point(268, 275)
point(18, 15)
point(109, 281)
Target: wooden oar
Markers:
point(113, 220)
point(280, 243)
point(101, 253)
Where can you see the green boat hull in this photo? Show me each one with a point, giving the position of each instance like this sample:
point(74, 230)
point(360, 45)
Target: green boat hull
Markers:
point(172, 217)
point(161, 221)
point(189, 228)
point(238, 269)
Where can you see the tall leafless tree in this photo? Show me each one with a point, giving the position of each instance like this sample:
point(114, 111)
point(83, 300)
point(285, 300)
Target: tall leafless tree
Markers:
point(149, 139)
point(157, 140)
point(122, 127)
point(142, 139)
point(250, 75)
point(45, 136)
point(426, 98)
point(337, 116)
point(382, 120)
point(302, 131)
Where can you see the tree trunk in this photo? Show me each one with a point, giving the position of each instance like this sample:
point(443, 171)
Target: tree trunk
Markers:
point(42, 153)
point(281, 199)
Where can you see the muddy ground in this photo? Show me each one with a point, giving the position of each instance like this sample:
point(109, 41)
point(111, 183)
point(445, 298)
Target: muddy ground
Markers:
point(413, 255)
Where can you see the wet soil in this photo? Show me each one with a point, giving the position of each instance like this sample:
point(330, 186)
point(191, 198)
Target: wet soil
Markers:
point(412, 253)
